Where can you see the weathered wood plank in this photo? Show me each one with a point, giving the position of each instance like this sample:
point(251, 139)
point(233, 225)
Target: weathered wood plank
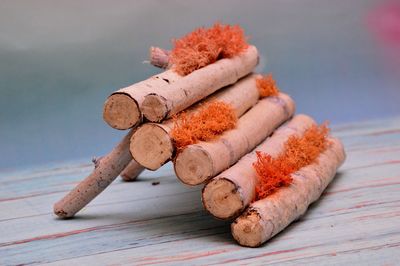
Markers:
point(356, 221)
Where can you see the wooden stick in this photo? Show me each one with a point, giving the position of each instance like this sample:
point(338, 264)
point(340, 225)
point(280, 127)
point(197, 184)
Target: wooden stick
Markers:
point(182, 93)
point(122, 108)
point(228, 194)
point(152, 144)
point(267, 217)
point(199, 162)
point(106, 170)
point(159, 57)
point(131, 171)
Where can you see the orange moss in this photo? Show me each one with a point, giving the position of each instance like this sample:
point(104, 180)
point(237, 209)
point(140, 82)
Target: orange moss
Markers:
point(212, 120)
point(205, 46)
point(274, 173)
point(229, 39)
point(266, 86)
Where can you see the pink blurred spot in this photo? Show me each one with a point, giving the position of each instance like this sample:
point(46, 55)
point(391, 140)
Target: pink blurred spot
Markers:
point(384, 21)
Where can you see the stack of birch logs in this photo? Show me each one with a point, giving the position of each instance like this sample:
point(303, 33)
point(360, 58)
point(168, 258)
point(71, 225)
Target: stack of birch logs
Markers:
point(223, 165)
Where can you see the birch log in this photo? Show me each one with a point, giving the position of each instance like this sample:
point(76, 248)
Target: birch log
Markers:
point(267, 217)
point(105, 171)
point(124, 108)
point(199, 162)
point(131, 171)
point(159, 57)
point(184, 92)
point(228, 194)
point(152, 144)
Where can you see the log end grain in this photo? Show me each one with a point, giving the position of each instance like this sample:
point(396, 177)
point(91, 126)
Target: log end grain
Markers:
point(193, 166)
point(154, 108)
point(59, 210)
point(221, 197)
point(151, 146)
point(249, 231)
point(121, 111)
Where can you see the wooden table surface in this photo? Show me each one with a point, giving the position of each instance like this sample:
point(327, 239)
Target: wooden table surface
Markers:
point(356, 221)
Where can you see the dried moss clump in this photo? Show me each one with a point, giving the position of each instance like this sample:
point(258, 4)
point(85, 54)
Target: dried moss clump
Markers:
point(204, 46)
point(211, 121)
point(267, 86)
point(274, 173)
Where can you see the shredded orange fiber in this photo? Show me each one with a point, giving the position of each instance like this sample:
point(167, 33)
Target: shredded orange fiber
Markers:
point(212, 120)
point(267, 86)
point(204, 46)
point(274, 173)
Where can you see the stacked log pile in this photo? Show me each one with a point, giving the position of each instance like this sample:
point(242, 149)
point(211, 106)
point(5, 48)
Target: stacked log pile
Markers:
point(223, 127)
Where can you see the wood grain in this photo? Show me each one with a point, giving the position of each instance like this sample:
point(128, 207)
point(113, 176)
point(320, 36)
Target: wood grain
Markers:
point(357, 220)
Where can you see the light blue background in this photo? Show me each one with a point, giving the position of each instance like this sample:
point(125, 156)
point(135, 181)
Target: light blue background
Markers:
point(59, 60)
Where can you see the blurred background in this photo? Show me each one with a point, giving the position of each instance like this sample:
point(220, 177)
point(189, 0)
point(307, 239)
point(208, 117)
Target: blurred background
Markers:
point(59, 60)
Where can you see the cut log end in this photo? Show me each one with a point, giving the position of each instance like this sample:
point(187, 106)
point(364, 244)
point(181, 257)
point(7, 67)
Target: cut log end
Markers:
point(60, 212)
point(121, 111)
point(159, 57)
point(154, 108)
point(151, 146)
point(248, 230)
point(193, 165)
point(222, 199)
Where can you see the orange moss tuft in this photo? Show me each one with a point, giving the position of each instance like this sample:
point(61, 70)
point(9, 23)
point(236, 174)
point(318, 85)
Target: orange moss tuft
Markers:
point(274, 173)
point(267, 86)
point(212, 120)
point(270, 175)
point(229, 39)
point(205, 46)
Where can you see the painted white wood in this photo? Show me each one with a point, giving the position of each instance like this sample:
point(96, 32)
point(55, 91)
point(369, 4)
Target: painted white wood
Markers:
point(356, 221)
